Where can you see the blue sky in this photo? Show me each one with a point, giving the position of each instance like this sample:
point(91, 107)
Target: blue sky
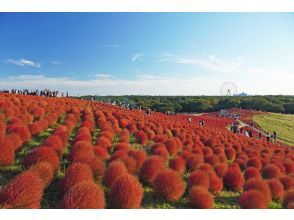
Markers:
point(148, 53)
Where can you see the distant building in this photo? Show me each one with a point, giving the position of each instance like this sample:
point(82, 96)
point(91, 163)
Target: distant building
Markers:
point(242, 94)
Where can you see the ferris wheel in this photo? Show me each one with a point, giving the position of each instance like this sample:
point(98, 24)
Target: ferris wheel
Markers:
point(228, 89)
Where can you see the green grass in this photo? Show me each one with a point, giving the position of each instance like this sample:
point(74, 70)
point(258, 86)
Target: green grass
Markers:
point(281, 123)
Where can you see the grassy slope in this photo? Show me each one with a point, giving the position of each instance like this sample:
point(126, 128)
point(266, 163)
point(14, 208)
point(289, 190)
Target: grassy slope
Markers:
point(281, 123)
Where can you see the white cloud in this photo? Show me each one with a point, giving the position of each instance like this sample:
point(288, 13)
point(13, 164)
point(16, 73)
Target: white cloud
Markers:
point(137, 57)
point(56, 62)
point(24, 62)
point(103, 76)
point(269, 82)
point(151, 77)
point(210, 62)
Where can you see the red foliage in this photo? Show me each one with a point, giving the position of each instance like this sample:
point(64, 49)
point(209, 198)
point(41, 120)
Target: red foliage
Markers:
point(178, 164)
point(113, 171)
point(200, 198)
point(22, 131)
point(130, 163)
point(259, 185)
point(55, 142)
point(84, 195)
point(41, 154)
point(101, 152)
point(77, 172)
point(161, 152)
point(139, 155)
point(44, 170)
point(289, 166)
point(288, 182)
point(122, 146)
point(126, 192)
point(254, 162)
point(141, 137)
point(81, 151)
point(15, 141)
point(233, 178)
point(199, 178)
point(23, 191)
point(169, 185)
point(271, 171)
point(118, 155)
point(221, 169)
point(206, 167)
point(97, 166)
point(288, 199)
point(277, 189)
point(251, 172)
point(252, 199)
point(103, 142)
point(150, 168)
point(194, 161)
point(230, 153)
point(172, 146)
point(7, 152)
point(216, 183)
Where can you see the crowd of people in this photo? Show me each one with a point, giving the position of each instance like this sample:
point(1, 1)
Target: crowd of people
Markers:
point(45, 92)
point(249, 133)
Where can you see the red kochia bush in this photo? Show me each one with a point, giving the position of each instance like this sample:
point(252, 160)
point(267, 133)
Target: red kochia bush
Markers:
point(289, 199)
point(251, 172)
point(194, 161)
point(221, 169)
point(126, 192)
point(77, 172)
point(113, 171)
point(84, 195)
point(172, 146)
point(216, 183)
point(101, 152)
point(199, 178)
point(42, 154)
point(23, 191)
point(6, 152)
point(200, 198)
point(289, 166)
point(130, 163)
point(169, 185)
point(288, 182)
point(103, 142)
point(233, 178)
point(252, 199)
point(97, 166)
point(81, 151)
point(15, 141)
point(178, 164)
point(254, 162)
point(230, 153)
point(277, 189)
point(22, 131)
point(141, 137)
point(55, 142)
point(44, 170)
point(260, 185)
point(139, 155)
point(271, 171)
point(150, 168)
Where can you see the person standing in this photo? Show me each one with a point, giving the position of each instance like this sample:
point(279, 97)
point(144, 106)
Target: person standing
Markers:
point(274, 136)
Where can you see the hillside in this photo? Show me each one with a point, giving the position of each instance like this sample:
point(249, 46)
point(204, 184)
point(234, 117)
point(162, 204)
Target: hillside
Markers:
point(281, 123)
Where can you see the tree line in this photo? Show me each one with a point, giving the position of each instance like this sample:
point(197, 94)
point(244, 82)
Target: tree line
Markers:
point(200, 104)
